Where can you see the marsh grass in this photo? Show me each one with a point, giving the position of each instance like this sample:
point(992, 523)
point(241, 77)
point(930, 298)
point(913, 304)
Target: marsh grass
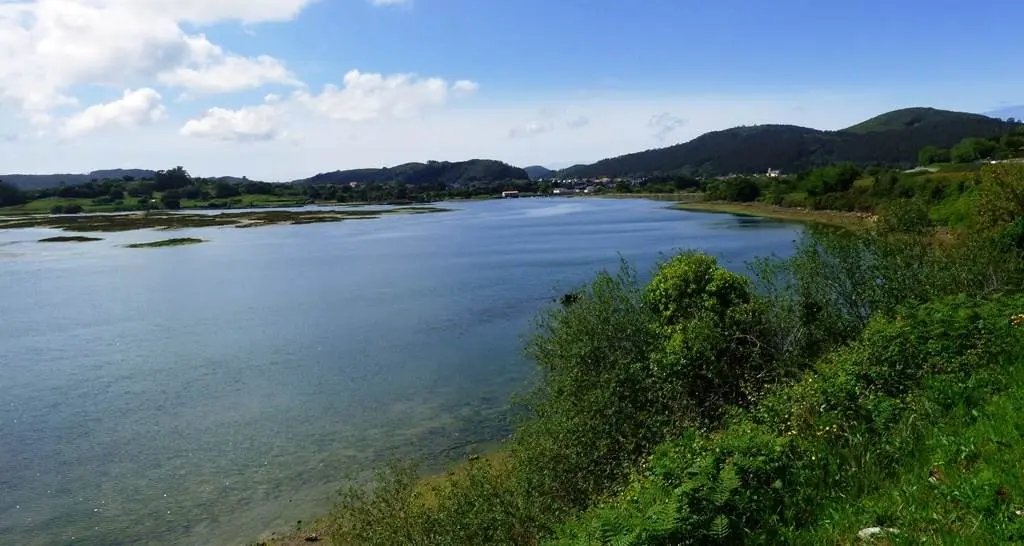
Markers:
point(70, 239)
point(181, 220)
point(168, 242)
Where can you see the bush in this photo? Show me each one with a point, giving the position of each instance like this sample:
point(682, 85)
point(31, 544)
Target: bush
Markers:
point(72, 208)
point(839, 432)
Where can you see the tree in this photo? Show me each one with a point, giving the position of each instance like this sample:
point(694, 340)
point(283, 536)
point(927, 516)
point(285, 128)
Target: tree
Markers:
point(224, 190)
point(929, 155)
point(10, 195)
point(171, 200)
point(173, 179)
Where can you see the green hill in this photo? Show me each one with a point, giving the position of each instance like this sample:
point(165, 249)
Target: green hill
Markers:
point(37, 181)
point(538, 172)
point(909, 118)
point(892, 138)
point(415, 174)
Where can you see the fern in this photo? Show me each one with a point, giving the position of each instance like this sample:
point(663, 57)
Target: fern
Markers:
point(728, 482)
point(720, 527)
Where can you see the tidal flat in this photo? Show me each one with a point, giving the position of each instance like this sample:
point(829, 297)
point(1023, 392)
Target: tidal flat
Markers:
point(165, 220)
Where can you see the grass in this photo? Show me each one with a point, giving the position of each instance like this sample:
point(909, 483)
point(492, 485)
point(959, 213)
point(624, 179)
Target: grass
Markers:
point(965, 486)
point(168, 242)
point(762, 210)
point(425, 491)
point(171, 220)
point(69, 239)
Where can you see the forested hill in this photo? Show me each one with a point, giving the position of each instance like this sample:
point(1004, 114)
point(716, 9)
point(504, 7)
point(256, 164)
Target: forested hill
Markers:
point(37, 181)
point(432, 172)
point(893, 138)
point(538, 172)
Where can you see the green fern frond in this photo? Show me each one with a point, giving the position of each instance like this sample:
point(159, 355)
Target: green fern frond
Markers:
point(720, 527)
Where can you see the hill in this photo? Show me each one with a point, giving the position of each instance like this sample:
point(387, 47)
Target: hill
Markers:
point(892, 138)
point(37, 181)
point(910, 118)
point(415, 174)
point(538, 172)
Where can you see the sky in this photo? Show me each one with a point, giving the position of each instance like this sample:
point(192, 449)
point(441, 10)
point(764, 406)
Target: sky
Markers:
point(284, 89)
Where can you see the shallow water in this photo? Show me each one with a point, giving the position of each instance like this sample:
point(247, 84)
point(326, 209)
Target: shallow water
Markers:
point(205, 394)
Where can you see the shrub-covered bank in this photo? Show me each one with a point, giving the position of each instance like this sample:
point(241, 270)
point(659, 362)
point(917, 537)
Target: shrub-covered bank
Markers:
point(871, 384)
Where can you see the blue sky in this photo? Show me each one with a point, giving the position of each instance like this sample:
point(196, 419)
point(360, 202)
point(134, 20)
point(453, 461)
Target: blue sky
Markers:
point(238, 86)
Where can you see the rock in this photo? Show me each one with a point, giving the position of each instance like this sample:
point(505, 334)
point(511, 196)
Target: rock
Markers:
point(871, 532)
point(474, 457)
point(312, 538)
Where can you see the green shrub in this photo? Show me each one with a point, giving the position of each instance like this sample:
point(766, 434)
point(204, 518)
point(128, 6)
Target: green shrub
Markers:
point(840, 431)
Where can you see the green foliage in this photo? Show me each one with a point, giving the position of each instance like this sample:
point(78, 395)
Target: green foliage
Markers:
point(931, 155)
point(840, 431)
point(1001, 194)
point(740, 189)
point(10, 195)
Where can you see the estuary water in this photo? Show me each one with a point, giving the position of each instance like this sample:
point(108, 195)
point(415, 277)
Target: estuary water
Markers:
point(206, 394)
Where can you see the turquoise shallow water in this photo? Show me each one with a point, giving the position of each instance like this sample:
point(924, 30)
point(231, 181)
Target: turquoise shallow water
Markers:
point(206, 394)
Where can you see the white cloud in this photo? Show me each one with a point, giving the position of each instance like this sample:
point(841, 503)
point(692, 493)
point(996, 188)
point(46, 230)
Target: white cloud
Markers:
point(390, 2)
point(465, 87)
point(214, 71)
point(361, 97)
point(664, 124)
point(137, 107)
point(243, 125)
point(364, 96)
point(48, 47)
point(531, 129)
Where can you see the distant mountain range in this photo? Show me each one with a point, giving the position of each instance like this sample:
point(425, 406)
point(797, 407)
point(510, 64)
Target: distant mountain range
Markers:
point(892, 138)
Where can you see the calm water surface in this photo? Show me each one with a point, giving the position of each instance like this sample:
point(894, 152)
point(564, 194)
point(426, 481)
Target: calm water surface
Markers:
point(207, 394)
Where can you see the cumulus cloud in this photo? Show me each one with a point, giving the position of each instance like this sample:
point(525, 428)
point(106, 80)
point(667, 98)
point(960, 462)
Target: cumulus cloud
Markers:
point(212, 70)
point(252, 123)
point(361, 97)
point(364, 96)
point(465, 87)
point(47, 47)
point(136, 107)
point(664, 124)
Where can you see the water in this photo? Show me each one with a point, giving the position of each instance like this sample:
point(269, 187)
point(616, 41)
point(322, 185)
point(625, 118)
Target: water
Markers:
point(206, 394)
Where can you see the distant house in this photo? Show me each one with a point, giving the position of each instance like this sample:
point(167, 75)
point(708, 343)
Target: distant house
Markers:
point(590, 189)
point(559, 191)
point(774, 173)
point(510, 194)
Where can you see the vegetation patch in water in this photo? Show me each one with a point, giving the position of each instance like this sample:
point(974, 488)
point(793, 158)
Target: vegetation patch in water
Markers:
point(171, 220)
point(168, 242)
point(69, 239)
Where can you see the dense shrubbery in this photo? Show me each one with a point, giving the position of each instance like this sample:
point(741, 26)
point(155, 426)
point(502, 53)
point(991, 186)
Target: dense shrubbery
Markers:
point(705, 407)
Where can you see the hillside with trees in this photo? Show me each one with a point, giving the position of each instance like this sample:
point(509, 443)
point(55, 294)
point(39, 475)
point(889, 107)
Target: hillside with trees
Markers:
point(37, 181)
point(432, 172)
point(894, 138)
point(538, 172)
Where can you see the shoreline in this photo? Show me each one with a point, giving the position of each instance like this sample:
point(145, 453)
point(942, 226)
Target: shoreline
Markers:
point(761, 210)
point(318, 529)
